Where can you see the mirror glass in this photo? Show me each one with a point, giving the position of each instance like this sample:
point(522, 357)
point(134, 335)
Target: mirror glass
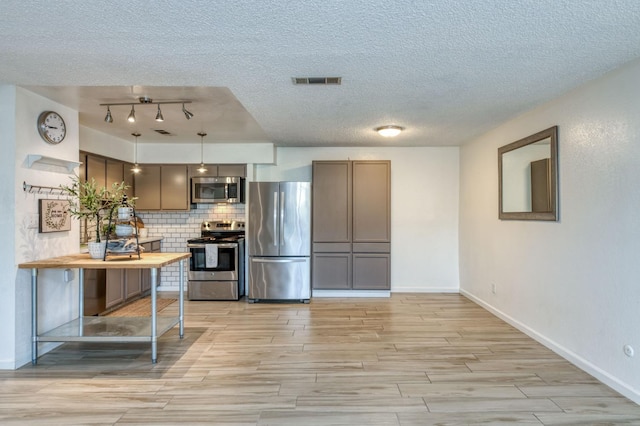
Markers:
point(528, 177)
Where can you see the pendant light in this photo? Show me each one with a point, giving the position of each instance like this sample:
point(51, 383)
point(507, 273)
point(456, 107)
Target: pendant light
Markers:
point(202, 169)
point(136, 168)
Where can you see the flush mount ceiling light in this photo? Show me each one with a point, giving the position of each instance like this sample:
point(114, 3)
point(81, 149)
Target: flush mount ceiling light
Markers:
point(389, 131)
point(202, 169)
point(144, 100)
point(136, 168)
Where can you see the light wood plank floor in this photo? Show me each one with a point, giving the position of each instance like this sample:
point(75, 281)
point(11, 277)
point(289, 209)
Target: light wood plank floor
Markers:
point(413, 359)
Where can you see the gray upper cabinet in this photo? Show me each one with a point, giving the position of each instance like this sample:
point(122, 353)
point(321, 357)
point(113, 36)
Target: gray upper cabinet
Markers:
point(232, 170)
point(96, 168)
point(115, 172)
point(147, 188)
point(223, 170)
point(351, 225)
point(371, 201)
point(162, 187)
point(106, 171)
point(332, 202)
point(174, 187)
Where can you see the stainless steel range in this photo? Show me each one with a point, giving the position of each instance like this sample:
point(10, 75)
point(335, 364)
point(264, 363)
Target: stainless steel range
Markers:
point(216, 267)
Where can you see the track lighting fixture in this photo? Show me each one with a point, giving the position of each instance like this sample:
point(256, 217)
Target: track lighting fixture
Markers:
point(187, 113)
point(144, 100)
point(136, 168)
point(202, 169)
point(108, 118)
point(132, 115)
point(159, 116)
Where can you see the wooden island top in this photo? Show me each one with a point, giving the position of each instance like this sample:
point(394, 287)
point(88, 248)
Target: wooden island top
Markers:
point(84, 261)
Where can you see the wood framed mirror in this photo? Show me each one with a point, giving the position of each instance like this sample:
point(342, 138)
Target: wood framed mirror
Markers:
point(528, 177)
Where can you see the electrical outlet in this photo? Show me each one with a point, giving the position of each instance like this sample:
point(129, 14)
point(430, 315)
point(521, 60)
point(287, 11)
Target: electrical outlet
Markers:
point(32, 219)
point(628, 350)
point(493, 288)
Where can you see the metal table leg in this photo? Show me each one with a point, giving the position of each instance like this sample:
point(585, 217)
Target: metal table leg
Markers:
point(154, 319)
point(34, 316)
point(81, 301)
point(181, 300)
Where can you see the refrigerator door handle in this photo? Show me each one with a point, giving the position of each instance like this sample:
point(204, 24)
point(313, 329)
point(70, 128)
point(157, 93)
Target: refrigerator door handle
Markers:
point(280, 260)
point(281, 219)
point(276, 232)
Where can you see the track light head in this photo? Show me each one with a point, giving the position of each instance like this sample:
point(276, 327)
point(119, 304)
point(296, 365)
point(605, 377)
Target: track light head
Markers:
point(159, 116)
point(132, 115)
point(108, 118)
point(187, 114)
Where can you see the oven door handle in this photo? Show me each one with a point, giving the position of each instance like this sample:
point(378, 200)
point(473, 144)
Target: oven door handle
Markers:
point(222, 245)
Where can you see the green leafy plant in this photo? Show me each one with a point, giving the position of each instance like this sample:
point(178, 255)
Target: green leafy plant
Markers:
point(93, 203)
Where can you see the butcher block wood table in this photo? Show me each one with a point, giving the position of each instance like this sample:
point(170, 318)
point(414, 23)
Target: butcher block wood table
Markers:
point(109, 329)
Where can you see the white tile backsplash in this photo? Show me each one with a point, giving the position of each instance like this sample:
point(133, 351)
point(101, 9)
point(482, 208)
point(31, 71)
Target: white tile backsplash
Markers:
point(177, 227)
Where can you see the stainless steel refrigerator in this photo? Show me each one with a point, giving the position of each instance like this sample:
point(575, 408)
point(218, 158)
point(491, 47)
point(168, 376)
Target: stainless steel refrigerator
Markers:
point(279, 241)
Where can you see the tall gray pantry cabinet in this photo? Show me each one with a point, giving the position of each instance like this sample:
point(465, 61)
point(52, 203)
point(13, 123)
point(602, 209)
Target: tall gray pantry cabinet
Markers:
point(351, 229)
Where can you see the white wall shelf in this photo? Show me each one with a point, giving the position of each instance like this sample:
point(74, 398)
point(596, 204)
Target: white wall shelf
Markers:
point(51, 161)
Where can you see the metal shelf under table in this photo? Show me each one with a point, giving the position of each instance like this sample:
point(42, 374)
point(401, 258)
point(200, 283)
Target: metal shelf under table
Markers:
point(107, 329)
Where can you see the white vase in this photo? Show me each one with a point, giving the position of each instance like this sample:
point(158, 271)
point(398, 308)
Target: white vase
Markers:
point(96, 250)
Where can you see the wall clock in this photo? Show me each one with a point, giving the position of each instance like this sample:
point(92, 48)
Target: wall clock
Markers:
point(51, 127)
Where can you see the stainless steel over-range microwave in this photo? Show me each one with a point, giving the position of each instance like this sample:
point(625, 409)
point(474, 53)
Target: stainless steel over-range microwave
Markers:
point(217, 190)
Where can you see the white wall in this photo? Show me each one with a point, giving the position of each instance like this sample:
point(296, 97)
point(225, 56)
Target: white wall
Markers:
point(424, 208)
point(28, 243)
point(572, 284)
point(102, 144)
point(8, 187)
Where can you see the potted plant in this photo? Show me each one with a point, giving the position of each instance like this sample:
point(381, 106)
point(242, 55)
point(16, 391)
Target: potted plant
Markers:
point(91, 202)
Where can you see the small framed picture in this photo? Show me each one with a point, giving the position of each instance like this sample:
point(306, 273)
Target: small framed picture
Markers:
point(54, 216)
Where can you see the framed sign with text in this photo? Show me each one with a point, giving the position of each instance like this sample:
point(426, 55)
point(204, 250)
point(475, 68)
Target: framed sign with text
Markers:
point(54, 216)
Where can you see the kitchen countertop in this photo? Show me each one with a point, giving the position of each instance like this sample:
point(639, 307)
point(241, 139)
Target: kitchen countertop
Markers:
point(83, 260)
point(84, 249)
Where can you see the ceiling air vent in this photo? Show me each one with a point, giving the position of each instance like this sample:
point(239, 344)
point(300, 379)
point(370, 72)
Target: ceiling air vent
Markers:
point(162, 132)
point(317, 80)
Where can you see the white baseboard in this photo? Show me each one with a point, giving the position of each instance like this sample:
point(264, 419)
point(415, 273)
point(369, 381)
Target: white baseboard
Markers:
point(425, 290)
point(572, 357)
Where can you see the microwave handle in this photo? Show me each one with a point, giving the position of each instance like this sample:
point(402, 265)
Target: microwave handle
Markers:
point(275, 219)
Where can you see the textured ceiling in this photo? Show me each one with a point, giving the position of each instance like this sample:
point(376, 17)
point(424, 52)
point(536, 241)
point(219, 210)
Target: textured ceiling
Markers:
point(447, 71)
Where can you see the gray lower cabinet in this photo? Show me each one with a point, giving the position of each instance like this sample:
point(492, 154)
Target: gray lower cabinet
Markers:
point(114, 288)
point(121, 285)
point(371, 271)
point(351, 225)
point(132, 283)
point(331, 271)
